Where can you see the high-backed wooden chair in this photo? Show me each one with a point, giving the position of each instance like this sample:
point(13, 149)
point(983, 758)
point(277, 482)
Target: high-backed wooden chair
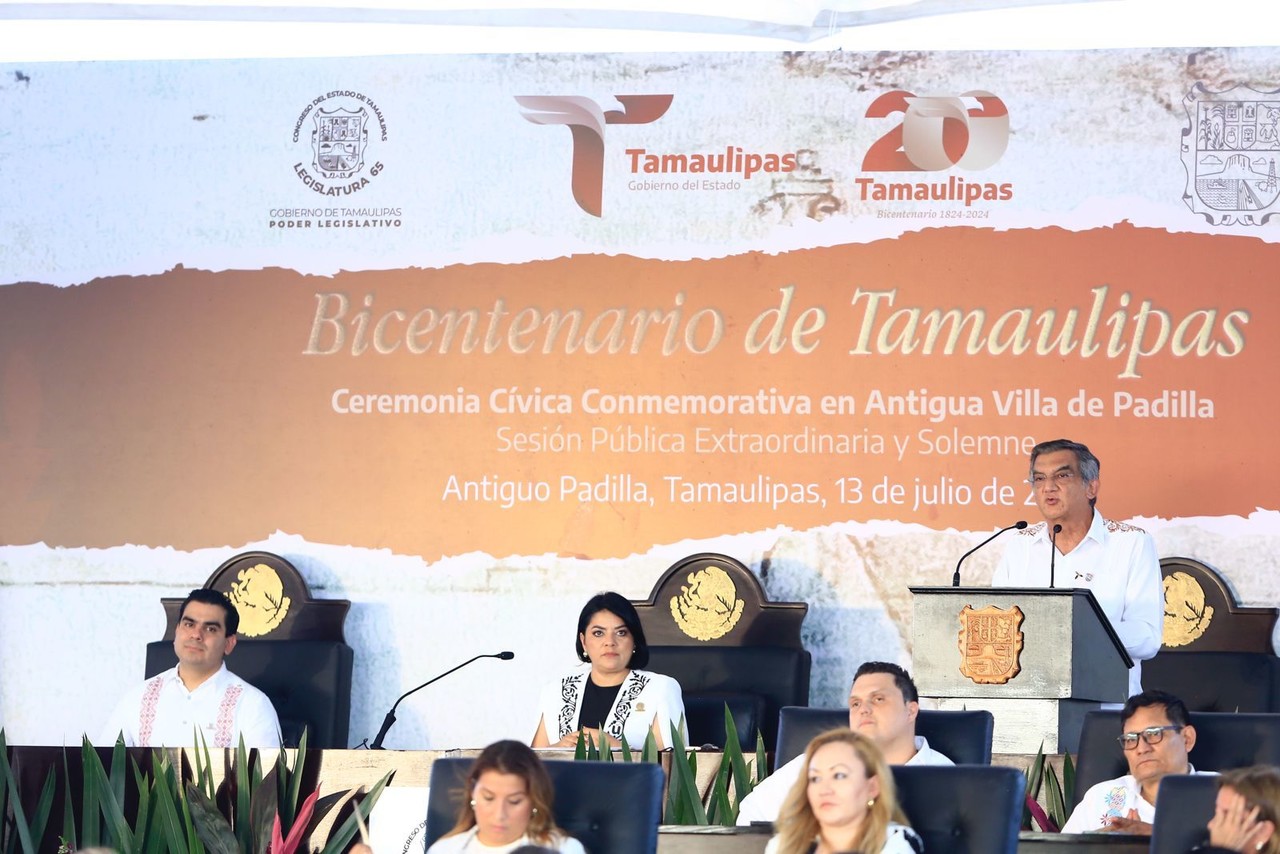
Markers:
point(1216, 655)
point(290, 646)
point(710, 627)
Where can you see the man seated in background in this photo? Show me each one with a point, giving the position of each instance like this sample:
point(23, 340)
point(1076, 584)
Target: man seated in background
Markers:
point(200, 692)
point(1156, 735)
point(883, 704)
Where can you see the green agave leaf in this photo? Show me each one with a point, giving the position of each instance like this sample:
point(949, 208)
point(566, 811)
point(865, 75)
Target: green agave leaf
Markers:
point(649, 753)
point(117, 828)
point(289, 808)
point(40, 818)
point(1036, 775)
point(19, 824)
point(243, 793)
point(720, 809)
point(580, 749)
point(1053, 796)
point(1068, 782)
point(762, 761)
point(603, 747)
point(118, 772)
point(734, 757)
point(68, 806)
point(624, 752)
point(166, 825)
point(143, 815)
point(204, 765)
point(5, 773)
point(683, 788)
point(90, 822)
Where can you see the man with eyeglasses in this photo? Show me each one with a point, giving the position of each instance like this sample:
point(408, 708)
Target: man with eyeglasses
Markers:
point(1114, 560)
point(1156, 737)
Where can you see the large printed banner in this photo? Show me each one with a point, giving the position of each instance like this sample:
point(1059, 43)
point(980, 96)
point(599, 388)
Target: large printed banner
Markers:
point(470, 338)
point(588, 305)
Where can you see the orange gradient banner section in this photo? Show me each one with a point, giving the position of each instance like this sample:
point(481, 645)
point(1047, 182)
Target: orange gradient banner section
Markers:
point(597, 406)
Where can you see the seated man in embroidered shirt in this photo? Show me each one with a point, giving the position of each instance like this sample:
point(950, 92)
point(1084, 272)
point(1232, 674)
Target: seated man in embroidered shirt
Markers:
point(1156, 737)
point(200, 692)
point(883, 704)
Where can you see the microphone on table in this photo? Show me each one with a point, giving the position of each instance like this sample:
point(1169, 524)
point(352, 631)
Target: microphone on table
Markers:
point(955, 579)
point(391, 715)
point(1053, 550)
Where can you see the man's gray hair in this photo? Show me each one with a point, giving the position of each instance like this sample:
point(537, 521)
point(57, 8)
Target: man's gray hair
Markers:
point(1090, 466)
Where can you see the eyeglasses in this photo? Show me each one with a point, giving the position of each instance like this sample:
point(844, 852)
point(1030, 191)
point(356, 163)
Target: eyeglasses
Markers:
point(1062, 478)
point(1151, 735)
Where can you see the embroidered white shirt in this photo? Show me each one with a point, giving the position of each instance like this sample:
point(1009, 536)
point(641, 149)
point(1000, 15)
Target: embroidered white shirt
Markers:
point(1117, 562)
point(1110, 799)
point(161, 712)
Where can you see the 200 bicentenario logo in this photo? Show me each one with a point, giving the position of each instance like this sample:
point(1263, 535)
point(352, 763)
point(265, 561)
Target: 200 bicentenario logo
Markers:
point(935, 133)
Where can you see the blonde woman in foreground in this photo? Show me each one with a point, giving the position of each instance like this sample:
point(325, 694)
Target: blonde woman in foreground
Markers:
point(845, 803)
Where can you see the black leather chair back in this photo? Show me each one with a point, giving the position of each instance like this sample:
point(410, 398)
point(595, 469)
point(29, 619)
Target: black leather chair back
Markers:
point(1184, 809)
point(963, 737)
point(610, 807)
point(704, 717)
point(965, 809)
point(308, 682)
point(1223, 742)
point(1217, 681)
point(749, 677)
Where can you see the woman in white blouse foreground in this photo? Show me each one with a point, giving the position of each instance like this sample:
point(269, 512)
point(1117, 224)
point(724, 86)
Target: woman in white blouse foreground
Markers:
point(846, 802)
point(508, 804)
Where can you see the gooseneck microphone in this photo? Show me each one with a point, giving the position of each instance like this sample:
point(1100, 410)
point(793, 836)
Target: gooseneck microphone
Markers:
point(955, 579)
point(391, 715)
point(1053, 551)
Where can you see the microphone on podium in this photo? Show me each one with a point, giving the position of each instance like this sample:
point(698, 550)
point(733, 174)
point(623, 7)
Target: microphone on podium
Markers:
point(391, 715)
point(955, 579)
point(1053, 551)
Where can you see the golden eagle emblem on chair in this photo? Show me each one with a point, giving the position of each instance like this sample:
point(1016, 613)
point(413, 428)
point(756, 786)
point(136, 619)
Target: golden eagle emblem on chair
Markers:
point(258, 594)
point(1186, 616)
point(990, 644)
point(708, 607)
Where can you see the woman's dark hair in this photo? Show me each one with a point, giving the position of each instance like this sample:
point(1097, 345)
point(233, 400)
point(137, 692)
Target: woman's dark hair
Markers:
point(623, 610)
point(512, 757)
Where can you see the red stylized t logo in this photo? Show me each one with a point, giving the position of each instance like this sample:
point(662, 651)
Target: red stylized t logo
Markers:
point(586, 122)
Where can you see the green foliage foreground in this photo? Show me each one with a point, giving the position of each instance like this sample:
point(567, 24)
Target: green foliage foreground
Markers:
point(180, 811)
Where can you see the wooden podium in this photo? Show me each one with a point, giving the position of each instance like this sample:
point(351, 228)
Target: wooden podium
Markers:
point(1037, 659)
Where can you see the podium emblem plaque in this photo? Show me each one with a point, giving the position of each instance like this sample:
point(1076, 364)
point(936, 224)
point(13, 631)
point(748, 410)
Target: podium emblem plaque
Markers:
point(990, 644)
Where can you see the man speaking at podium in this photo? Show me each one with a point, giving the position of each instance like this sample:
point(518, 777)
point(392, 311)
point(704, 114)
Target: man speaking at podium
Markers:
point(1075, 547)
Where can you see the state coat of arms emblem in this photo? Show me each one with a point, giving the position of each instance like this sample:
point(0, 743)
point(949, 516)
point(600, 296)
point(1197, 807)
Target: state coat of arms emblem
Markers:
point(990, 644)
point(338, 142)
point(1230, 148)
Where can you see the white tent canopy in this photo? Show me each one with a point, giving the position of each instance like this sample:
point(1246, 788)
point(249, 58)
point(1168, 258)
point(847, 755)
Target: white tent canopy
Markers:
point(51, 30)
